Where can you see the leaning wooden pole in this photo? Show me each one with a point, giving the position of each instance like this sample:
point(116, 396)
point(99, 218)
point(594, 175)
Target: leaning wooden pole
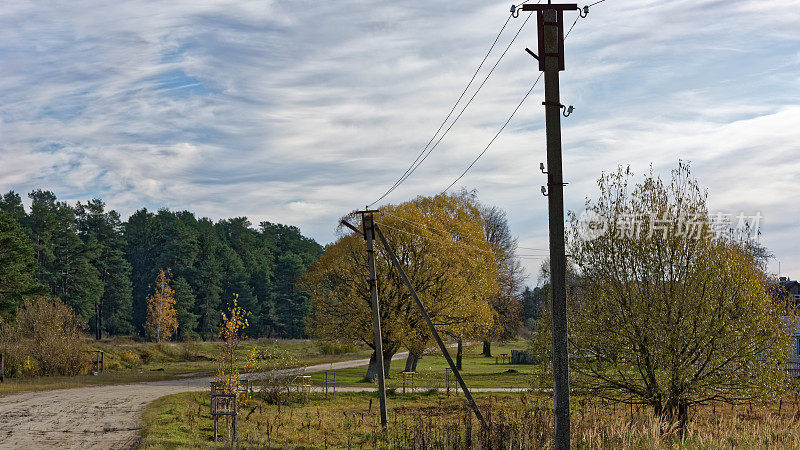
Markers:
point(430, 324)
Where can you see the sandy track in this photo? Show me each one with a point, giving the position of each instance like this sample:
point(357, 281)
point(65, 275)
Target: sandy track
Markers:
point(107, 417)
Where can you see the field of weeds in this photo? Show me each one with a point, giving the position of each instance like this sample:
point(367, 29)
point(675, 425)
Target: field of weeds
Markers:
point(438, 421)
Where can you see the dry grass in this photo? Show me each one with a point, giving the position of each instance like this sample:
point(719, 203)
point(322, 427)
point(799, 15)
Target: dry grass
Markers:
point(128, 361)
point(435, 421)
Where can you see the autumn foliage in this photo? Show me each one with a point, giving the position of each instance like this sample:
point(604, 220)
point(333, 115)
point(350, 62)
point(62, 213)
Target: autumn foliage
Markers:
point(440, 242)
point(46, 339)
point(231, 334)
point(162, 321)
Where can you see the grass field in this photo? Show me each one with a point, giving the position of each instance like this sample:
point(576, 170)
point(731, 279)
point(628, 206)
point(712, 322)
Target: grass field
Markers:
point(521, 420)
point(130, 361)
point(478, 371)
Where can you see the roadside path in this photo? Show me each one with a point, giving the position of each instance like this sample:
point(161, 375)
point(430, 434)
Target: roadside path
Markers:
point(109, 416)
point(101, 417)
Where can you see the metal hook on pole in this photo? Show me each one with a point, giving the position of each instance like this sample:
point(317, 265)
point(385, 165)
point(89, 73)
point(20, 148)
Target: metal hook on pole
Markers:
point(514, 11)
point(584, 12)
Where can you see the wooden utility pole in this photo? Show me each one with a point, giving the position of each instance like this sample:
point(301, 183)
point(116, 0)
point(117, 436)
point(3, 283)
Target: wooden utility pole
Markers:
point(368, 226)
point(551, 60)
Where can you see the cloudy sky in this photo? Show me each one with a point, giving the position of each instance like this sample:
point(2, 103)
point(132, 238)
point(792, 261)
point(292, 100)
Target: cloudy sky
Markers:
point(299, 112)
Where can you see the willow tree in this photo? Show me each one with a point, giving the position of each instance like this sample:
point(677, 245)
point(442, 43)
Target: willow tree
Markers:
point(672, 309)
point(439, 241)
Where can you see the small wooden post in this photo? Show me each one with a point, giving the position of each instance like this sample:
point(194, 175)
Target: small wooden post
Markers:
point(2, 367)
point(223, 404)
point(328, 380)
point(408, 378)
point(448, 376)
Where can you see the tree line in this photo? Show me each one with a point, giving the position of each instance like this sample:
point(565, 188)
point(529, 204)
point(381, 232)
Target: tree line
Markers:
point(104, 268)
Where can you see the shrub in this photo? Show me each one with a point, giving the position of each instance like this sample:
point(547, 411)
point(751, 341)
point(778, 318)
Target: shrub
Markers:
point(145, 356)
point(46, 339)
point(130, 358)
point(189, 350)
point(282, 373)
point(337, 348)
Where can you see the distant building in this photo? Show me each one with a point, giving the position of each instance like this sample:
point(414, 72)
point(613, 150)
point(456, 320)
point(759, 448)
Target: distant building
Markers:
point(790, 289)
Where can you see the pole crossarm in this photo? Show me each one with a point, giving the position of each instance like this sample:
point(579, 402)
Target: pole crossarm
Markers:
point(427, 318)
point(556, 6)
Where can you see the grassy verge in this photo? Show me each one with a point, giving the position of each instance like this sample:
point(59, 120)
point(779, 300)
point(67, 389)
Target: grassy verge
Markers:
point(127, 361)
point(423, 421)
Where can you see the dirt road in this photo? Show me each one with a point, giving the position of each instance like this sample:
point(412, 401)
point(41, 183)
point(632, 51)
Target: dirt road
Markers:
point(96, 417)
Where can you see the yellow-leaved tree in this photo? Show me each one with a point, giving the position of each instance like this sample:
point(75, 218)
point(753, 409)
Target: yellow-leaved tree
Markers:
point(231, 334)
point(440, 242)
point(162, 320)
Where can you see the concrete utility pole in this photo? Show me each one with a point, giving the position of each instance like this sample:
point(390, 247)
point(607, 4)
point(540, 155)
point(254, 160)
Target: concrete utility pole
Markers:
point(368, 226)
point(428, 321)
point(551, 60)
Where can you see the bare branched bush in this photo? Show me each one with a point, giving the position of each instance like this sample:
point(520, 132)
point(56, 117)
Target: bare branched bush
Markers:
point(281, 374)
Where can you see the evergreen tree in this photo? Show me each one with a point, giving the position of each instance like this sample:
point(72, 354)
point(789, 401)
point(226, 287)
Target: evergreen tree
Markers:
point(40, 225)
point(141, 233)
point(207, 279)
point(78, 281)
point(184, 307)
point(291, 302)
point(104, 229)
point(533, 300)
point(11, 203)
point(17, 266)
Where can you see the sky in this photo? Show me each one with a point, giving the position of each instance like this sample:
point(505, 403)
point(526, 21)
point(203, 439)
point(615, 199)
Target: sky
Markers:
point(299, 113)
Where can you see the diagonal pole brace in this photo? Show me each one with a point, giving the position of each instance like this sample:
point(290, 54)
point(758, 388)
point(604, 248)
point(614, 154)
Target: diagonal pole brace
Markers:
point(427, 318)
point(348, 225)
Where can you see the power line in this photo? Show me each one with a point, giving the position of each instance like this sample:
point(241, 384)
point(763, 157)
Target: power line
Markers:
point(466, 88)
point(496, 134)
point(572, 26)
point(428, 228)
point(447, 242)
point(514, 112)
point(460, 244)
point(427, 151)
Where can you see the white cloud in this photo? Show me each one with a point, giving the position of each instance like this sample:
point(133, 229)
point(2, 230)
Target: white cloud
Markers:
point(298, 113)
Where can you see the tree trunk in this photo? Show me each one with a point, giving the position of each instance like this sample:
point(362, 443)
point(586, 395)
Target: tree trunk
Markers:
point(372, 368)
point(459, 353)
point(411, 362)
point(387, 361)
point(683, 417)
point(675, 412)
point(487, 349)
